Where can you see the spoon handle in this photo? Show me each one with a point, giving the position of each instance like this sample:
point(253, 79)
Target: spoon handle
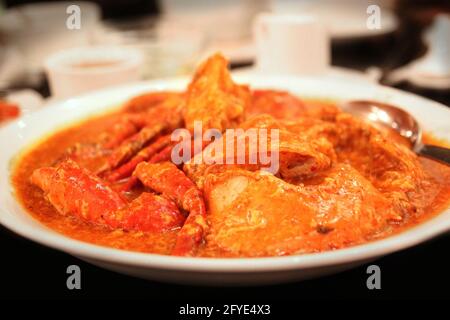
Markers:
point(436, 153)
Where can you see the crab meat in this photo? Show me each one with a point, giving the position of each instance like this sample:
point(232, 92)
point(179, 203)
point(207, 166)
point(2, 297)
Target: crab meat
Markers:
point(297, 156)
point(392, 168)
point(257, 214)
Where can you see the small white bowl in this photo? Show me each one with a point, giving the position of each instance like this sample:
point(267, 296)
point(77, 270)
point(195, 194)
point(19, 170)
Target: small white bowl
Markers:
point(19, 134)
point(78, 70)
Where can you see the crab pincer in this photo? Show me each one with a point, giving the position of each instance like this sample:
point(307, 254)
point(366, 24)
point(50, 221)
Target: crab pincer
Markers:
point(75, 191)
point(166, 179)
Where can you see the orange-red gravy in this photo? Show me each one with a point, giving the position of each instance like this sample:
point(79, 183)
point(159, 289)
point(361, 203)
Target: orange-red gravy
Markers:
point(48, 151)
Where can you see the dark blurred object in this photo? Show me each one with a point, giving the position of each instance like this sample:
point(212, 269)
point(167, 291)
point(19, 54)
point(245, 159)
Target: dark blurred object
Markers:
point(397, 49)
point(363, 53)
point(421, 12)
point(442, 96)
point(111, 9)
point(416, 16)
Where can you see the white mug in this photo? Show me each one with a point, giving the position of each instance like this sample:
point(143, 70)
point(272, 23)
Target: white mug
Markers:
point(291, 44)
point(74, 71)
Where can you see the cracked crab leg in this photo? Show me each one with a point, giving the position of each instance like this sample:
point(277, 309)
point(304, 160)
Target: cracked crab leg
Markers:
point(157, 120)
point(172, 183)
point(147, 153)
point(163, 155)
point(127, 149)
point(129, 125)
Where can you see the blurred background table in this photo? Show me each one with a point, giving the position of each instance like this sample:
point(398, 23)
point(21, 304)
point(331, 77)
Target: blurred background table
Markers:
point(30, 270)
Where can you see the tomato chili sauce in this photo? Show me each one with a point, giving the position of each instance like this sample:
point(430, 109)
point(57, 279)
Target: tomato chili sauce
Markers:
point(48, 151)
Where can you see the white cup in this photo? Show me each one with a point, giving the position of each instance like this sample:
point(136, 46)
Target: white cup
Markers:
point(291, 44)
point(79, 70)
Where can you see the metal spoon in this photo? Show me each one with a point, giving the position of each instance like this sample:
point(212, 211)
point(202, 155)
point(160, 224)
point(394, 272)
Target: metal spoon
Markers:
point(395, 119)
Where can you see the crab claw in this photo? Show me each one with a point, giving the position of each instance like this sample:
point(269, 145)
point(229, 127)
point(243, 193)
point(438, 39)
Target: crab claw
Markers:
point(172, 183)
point(73, 190)
point(213, 98)
point(149, 212)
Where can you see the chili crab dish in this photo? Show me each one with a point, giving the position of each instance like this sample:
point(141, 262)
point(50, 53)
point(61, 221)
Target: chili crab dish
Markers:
point(142, 178)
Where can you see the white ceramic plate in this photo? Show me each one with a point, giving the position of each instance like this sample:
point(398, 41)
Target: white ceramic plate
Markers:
point(17, 135)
